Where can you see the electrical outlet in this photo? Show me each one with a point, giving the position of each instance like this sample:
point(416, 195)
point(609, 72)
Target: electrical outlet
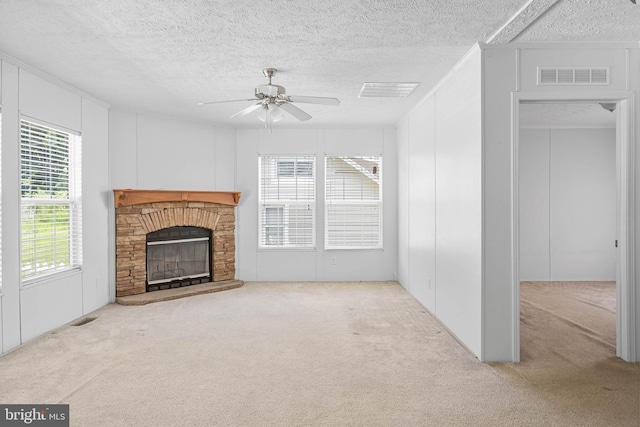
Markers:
point(97, 281)
point(429, 282)
point(333, 260)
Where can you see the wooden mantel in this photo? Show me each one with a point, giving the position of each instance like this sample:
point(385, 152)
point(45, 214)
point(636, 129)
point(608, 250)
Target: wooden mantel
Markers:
point(130, 197)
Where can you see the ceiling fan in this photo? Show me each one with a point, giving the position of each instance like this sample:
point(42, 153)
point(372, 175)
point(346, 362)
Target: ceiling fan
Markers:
point(273, 99)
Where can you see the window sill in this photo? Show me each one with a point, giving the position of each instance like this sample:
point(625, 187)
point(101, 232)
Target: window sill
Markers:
point(355, 249)
point(48, 278)
point(318, 250)
point(287, 250)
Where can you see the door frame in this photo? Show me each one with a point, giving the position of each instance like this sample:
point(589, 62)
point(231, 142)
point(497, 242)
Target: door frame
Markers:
point(625, 176)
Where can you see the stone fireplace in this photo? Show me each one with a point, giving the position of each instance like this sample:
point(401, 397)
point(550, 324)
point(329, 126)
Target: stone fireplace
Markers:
point(183, 237)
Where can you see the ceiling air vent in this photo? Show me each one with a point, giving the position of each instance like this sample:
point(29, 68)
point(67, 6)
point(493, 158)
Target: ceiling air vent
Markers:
point(573, 76)
point(387, 89)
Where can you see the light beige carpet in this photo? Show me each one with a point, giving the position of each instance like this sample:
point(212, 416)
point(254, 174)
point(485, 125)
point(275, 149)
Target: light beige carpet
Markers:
point(568, 353)
point(312, 354)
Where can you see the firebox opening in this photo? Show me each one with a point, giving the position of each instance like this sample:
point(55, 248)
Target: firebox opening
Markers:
point(178, 256)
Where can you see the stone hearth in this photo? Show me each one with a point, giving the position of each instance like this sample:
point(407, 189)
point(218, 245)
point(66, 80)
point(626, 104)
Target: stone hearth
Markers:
point(139, 212)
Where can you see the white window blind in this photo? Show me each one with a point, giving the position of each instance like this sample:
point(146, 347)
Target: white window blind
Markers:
point(50, 222)
point(287, 201)
point(353, 194)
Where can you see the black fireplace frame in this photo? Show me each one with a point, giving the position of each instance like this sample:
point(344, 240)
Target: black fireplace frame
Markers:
point(176, 234)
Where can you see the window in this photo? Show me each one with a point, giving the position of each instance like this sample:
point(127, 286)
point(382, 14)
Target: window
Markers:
point(50, 225)
point(287, 201)
point(353, 193)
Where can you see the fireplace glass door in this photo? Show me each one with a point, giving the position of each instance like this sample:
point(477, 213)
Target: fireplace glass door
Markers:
point(178, 256)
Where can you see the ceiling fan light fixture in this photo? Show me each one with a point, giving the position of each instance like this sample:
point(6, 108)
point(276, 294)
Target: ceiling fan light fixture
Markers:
point(273, 113)
point(387, 89)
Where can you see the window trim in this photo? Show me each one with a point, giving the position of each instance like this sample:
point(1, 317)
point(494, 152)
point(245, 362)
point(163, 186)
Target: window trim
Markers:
point(74, 203)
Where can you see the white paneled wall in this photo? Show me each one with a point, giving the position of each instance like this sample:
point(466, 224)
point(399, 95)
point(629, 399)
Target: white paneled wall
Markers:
point(225, 150)
point(567, 204)
point(442, 140)
point(153, 153)
point(534, 204)
point(456, 201)
point(500, 78)
point(51, 304)
point(247, 211)
point(29, 311)
point(174, 155)
point(583, 205)
point(97, 206)
point(458, 131)
point(314, 264)
point(10, 320)
point(123, 149)
point(44, 100)
point(404, 251)
point(422, 207)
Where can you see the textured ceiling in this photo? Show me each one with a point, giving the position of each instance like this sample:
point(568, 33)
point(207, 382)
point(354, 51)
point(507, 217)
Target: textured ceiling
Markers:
point(586, 21)
point(165, 56)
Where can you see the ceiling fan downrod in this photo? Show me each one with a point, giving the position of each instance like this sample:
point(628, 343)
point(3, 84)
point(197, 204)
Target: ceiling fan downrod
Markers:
point(269, 72)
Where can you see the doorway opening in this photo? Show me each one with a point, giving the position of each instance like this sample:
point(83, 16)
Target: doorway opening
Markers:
point(573, 222)
point(567, 218)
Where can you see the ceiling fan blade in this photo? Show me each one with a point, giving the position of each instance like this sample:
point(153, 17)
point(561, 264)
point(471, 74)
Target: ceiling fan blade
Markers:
point(222, 102)
point(314, 100)
point(248, 110)
point(295, 111)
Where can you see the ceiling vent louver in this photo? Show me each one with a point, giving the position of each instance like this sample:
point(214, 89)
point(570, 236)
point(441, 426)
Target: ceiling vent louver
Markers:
point(573, 76)
point(387, 89)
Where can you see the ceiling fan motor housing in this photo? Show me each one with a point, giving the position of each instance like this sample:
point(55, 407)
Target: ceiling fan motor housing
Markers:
point(269, 90)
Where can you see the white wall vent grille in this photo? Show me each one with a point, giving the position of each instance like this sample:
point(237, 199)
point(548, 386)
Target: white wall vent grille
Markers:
point(573, 76)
